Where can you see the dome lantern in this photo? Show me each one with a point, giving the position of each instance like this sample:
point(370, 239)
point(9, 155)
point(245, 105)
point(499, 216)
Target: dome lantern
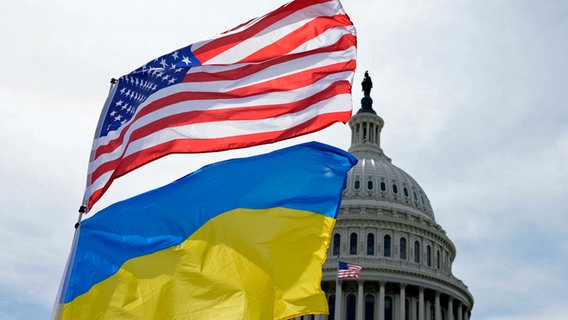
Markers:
point(366, 126)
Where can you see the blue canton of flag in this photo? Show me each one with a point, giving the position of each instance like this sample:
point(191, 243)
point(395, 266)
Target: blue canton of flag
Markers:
point(135, 87)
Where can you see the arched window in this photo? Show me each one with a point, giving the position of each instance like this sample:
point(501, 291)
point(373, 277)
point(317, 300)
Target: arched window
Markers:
point(353, 244)
point(405, 192)
point(388, 308)
point(369, 307)
point(383, 186)
point(351, 303)
point(416, 251)
point(357, 184)
point(331, 307)
point(370, 244)
point(428, 255)
point(395, 188)
point(438, 259)
point(387, 246)
point(336, 244)
point(403, 248)
point(370, 185)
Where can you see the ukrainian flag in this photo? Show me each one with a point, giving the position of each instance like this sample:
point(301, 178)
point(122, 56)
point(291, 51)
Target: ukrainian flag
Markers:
point(240, 239)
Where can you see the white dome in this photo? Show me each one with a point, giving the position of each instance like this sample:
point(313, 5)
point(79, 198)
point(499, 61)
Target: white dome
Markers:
point(374, 178)
point(377, 179)
point(387, 226)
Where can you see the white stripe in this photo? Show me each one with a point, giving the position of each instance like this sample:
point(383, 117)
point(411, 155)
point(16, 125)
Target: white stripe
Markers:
point(222, 129)
point(270, 73)
point(98, 184)
point(273, 72)
point(330, 36)
point(275, 32)
point(270, 98)
point(252, 102)
point(181, 107)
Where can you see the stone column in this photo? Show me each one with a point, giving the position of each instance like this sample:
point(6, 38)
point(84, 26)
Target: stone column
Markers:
point(450, 309)
point(420, 303)
point(466, 315)
point(360, 300)
point(437, 309)
point(402, 298)
point(381, 300)
point(338, 300)
point(460, 312)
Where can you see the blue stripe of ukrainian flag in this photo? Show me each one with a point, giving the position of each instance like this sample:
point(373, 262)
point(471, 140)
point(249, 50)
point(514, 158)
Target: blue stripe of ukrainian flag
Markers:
point(239, 239)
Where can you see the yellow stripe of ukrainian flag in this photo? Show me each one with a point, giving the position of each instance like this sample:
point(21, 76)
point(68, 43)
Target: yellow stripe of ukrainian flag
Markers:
point(266, 266)
point(240, 239)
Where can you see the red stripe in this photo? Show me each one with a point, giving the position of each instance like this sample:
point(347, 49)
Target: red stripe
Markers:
point(342, 44)
point(298, 37)
point(247, 113)
point(97, 195)
point(256, 113)
point(145, 156)
point(290, 82)
point(218, 46)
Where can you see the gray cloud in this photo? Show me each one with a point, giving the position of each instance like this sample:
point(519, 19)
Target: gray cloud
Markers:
point(472, 93)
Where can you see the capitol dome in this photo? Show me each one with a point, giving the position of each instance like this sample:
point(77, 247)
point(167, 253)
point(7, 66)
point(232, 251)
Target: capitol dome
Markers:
point(376, 179)
point(387, 226)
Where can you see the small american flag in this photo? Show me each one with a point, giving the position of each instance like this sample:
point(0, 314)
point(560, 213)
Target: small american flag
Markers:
point(348, 270)
point(282, 75)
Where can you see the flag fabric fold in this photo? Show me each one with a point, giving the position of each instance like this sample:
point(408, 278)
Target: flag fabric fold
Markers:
point(348, 270)
point(239, 239)
point(285, 74)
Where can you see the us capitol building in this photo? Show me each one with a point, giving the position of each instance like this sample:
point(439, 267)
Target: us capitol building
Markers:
point(386, 224)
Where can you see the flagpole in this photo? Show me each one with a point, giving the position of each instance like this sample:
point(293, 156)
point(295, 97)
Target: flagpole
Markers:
point(62, 291)
point(60, 298)
point(83, 209)
point(338, 298)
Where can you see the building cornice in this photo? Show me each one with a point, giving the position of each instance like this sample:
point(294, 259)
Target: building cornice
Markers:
point(444, 283)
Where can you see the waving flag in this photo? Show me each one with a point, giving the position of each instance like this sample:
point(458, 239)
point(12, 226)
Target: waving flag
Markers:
point(348, 270)
point(282, 75)
point(239, 239)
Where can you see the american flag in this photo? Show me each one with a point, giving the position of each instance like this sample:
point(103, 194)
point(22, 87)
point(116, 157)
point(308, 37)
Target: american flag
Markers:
point(348, 270)
point(285, 74)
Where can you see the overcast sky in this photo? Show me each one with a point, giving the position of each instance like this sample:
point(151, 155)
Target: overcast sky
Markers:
point(473, 94)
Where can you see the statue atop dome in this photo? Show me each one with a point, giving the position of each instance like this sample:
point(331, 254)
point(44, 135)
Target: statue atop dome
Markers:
point(367, 102)
point(367, 84)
